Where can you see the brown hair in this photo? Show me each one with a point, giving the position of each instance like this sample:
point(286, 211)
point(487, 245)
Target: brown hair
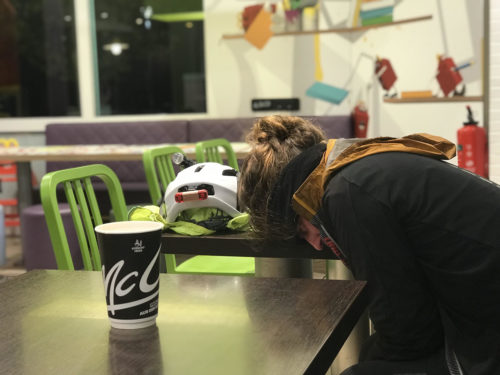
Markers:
point(274, 141)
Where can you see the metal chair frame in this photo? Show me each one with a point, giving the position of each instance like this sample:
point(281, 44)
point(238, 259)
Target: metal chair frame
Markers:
point(159, 173)
point(84, 211)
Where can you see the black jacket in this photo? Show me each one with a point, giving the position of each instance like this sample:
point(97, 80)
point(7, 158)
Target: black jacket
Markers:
point(426, 236)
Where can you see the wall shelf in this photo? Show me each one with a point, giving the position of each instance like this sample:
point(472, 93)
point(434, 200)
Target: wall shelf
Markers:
point(435, 99)
point(338, 30)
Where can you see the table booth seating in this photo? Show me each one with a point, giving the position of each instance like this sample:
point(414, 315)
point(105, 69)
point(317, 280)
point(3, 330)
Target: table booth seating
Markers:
point(36, 247)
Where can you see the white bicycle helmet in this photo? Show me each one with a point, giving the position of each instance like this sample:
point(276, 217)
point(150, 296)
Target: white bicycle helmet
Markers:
point(203, 185)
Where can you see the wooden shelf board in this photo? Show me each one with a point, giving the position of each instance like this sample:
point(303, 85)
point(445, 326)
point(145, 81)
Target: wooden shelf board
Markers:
point(337, 30)
point(435, 99)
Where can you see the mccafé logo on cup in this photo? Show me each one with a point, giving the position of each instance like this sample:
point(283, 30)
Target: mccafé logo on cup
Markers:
point(117, 284)
point(130, 269)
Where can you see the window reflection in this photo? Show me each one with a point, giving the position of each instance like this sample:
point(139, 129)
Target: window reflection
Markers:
point(37, 58)
point(149, 53)
point(147, 65)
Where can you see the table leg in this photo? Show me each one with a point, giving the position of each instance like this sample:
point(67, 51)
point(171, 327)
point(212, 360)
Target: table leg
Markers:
point(24, 186)
point(281, 267)
point(349, 353)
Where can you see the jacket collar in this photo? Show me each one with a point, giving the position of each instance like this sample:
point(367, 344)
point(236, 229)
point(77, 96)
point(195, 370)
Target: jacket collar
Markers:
point(306, 200)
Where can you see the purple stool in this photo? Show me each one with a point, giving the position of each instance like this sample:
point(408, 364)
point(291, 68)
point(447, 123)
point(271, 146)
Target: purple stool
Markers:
point(35, 238)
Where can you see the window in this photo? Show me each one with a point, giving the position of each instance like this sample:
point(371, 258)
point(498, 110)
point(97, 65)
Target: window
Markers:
point(148, 54)
point(38, 75)
point(150, 60)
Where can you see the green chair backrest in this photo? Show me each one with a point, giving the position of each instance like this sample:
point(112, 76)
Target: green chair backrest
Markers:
point(209, 151)
point(159, 173)
point(159, 170)
point(84, 208)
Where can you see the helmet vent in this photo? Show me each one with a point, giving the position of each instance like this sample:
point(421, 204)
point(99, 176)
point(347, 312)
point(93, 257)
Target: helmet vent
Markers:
point(207, 187)
point(230, 172)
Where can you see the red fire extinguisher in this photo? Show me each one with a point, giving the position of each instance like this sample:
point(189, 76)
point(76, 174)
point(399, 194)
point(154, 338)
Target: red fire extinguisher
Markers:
point(360, 119)
point(472, 147)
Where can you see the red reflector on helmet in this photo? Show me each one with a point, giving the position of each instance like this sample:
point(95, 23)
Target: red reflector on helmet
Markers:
point(188, 196)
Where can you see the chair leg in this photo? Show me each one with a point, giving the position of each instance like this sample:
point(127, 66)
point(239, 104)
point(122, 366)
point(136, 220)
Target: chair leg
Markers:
point(3, 256)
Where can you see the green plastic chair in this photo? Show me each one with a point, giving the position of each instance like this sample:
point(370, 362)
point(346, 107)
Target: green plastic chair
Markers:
point(159, 173)
point(209, 150)
point(84, 211)
point(159, 170)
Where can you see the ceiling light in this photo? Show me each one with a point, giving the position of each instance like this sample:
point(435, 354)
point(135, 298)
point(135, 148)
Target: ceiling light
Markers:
point(116, 48)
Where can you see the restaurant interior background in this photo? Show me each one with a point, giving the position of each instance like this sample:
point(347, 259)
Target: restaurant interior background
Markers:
point(105, 60)
point(68, 61)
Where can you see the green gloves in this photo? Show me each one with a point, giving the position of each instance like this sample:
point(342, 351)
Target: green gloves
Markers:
point(187, 221)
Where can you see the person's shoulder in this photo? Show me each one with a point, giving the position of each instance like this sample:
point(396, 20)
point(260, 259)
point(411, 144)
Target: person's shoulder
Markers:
point(387, 169)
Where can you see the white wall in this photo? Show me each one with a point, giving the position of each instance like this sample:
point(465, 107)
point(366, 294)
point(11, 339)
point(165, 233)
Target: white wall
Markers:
point(494, 112)
point(455, 30)
point(238, 72)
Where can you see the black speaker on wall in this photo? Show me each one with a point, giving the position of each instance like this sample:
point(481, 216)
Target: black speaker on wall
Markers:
point(291, 104)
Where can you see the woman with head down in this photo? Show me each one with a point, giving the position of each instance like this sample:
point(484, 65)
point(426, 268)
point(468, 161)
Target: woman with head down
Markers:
point(422, 232)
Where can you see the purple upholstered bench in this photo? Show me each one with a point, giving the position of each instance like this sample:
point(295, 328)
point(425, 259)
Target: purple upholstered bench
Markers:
point(235, 129)
point(334, 126)
point(37, 249)
point(130, 173)
point(36, 244)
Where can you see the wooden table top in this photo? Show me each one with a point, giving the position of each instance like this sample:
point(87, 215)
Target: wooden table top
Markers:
point(240, 244)
point(55, 322)
point(97, 152)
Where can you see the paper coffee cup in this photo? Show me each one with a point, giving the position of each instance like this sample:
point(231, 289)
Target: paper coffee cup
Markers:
point(130, 253)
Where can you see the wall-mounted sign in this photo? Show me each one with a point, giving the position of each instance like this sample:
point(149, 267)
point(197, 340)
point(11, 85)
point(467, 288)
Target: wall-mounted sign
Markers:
point(291, 104)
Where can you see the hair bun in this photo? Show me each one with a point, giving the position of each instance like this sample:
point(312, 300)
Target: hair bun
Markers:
point(268, 129)
point(294, 131)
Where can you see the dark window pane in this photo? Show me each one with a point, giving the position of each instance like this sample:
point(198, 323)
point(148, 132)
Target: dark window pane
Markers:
point(38, 75)
point(146, 65)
